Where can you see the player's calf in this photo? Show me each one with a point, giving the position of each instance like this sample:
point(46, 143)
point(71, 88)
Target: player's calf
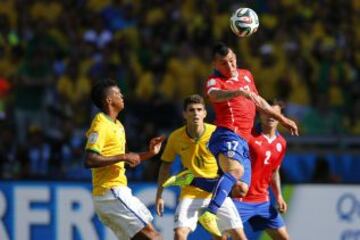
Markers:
point(278, 234)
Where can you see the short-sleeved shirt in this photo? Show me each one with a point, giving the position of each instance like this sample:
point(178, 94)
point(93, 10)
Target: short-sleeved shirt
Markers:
point(236, 114)
point(106, 138)
point(266, 155)
point(194, 155)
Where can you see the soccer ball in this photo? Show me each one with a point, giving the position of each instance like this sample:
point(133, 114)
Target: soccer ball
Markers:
point(244, 22)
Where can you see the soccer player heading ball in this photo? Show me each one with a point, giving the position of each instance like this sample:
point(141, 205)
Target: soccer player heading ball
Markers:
point(233, 94)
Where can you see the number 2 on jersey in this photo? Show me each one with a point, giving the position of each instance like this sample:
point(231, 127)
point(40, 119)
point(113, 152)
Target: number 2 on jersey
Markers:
point(267, 157)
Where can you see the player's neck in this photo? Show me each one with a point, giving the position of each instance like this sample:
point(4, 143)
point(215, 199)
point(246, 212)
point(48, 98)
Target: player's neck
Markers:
point(112, 114)
point(268, 131)
point(195, 131)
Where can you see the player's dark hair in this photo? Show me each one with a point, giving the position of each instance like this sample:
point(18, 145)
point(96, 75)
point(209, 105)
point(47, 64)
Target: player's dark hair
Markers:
point(277, 102)
point(195, 98)
point(220, 49)
point(98, 92)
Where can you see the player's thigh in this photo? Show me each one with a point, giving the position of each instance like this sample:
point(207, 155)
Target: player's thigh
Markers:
point(278, 234)
point(230, 145)
point(245, 210)
point(123, 213)
point(228, 217)
point(231, 165)
point(187, 212)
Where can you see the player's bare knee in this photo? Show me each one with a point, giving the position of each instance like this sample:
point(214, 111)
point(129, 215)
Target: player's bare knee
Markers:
point(156, 236)
point(181, 233)
point(244, 189)
point(147, 233)
point(240, 189)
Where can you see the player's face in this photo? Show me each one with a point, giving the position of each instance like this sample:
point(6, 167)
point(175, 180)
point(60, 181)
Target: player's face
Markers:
point(268, 121)
point(226, 65)
point(116, 98)
point(195, 113)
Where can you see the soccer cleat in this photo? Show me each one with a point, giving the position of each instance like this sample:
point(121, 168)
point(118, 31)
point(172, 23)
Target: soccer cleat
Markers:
point(208, 221)
point(182, 179)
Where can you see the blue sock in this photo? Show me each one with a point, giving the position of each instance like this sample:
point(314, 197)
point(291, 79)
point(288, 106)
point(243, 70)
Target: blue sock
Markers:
point(206, 184)
point(221, 191)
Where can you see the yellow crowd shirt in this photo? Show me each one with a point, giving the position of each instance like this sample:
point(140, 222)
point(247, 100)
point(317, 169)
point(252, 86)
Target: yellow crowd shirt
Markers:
point(194, 155)
point(106, 138)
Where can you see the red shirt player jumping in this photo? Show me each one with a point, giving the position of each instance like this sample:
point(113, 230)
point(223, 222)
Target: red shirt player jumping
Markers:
point(234, 97)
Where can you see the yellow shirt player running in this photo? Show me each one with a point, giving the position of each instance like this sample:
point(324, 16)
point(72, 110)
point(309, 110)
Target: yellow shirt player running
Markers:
point(114, 203)
point(190, 144)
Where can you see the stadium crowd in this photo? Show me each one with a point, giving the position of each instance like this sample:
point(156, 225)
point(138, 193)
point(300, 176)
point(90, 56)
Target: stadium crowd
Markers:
point(51, 52)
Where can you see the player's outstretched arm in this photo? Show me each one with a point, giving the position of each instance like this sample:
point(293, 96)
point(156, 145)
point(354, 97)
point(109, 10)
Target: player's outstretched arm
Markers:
point(264, 106)
point(154, 148)
point(163, 175)
point(95, 160)
point(276, 188)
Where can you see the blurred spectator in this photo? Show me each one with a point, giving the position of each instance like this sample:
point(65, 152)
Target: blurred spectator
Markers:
point(38, 154)
point(10, 166)
point(321, 119)
point(52, 51)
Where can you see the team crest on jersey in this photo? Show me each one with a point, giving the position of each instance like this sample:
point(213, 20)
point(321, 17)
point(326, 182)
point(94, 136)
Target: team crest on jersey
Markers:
point(211, 82)
point(278, 147)
point(230, 154)
point(93, 137)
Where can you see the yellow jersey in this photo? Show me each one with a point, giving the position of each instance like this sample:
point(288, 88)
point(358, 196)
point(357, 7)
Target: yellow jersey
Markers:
point(194, 155)
point(106, 138)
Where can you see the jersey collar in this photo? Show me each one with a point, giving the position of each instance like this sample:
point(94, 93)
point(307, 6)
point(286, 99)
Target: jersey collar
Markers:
point(216, 73)
point(258, 130)
point(195, 139)
point(109, 118)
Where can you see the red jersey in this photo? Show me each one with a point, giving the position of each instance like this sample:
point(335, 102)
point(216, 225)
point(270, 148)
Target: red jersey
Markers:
point(236, 114)
point(266, 155)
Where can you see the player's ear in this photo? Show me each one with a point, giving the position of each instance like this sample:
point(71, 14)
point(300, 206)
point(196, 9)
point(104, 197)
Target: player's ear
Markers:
point(184, 114)
point(108, 100)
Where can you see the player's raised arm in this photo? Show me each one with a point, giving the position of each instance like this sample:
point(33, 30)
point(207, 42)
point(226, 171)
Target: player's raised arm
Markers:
point(263, 106)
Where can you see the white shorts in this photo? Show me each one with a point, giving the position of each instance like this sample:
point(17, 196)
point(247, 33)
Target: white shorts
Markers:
point(188, 210)
point(123, 213)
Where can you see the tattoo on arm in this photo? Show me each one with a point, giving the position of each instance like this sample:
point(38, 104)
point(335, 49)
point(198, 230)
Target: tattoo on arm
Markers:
point(224, 95)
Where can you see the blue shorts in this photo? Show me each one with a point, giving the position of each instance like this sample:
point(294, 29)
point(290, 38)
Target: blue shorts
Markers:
point(260, 216)
point(233, 146)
